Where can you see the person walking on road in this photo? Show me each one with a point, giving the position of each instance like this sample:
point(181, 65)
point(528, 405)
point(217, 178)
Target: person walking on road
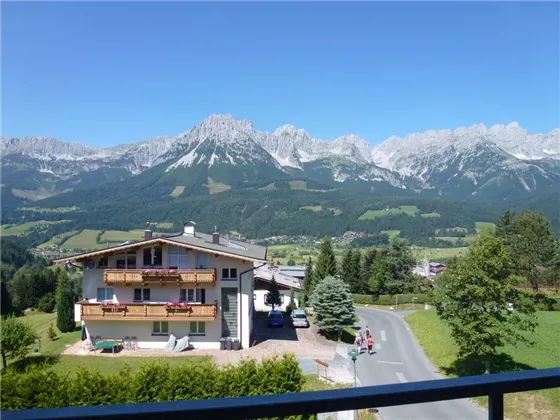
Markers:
point(362, 339)
point(370, 344)
point(358, 343)
point(368, 333)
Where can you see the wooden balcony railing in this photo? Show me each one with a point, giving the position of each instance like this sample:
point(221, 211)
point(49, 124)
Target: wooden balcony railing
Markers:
point(147, 312)
point(159, 276)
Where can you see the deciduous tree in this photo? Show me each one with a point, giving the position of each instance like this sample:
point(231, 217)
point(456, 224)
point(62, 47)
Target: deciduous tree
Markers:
point(530, 242)
point(16, 337)
point(474, 298)
point(333, 307)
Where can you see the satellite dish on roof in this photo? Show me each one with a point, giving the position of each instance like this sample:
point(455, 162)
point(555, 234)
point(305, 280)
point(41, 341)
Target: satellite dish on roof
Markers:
point(89, 264)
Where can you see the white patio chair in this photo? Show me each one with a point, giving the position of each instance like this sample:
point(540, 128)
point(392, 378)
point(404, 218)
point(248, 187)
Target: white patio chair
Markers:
point(127, 342)
point(134, 343)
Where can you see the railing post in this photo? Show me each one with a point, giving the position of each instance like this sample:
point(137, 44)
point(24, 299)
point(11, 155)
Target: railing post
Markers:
point(496, 407)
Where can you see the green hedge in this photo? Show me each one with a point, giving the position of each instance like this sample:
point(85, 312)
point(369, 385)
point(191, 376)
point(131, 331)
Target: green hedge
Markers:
point(390, 300)
point(41, 387)
point(545, 303)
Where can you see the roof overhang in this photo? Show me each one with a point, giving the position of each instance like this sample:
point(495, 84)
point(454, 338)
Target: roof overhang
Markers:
point(155, 241)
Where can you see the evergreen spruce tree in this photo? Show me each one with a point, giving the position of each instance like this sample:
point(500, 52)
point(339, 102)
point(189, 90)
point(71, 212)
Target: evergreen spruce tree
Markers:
point(64, 304)
point(346, 270)
point(273, 296)
point(326, 263)
point(365, 272)
point(309, 279)
point(357, 273)
point(350, 271)
point(333, 307)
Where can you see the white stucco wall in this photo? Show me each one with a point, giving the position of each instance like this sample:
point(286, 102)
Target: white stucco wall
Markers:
point(260, 295)
point(93, 279)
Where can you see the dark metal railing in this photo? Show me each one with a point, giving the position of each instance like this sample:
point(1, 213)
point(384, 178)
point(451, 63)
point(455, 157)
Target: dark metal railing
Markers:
point(493, 386)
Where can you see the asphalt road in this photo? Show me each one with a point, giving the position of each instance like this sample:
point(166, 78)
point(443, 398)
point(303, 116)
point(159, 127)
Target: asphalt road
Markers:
point(399, 358)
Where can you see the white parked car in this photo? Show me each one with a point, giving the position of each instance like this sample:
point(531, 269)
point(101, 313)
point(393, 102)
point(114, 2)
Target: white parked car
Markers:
point(299, 319)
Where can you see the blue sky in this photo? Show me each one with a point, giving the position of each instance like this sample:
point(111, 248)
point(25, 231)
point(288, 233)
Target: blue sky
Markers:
point(105, 73)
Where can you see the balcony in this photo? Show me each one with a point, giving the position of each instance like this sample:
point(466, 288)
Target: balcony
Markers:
point(263, 406)
point(147, 312)
point(146, 277)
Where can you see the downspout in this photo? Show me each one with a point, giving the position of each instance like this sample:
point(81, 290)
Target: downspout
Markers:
point(241, 302)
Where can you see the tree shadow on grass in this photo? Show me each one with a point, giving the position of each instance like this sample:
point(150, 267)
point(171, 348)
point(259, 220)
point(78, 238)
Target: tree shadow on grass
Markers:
point(45, 360)
point(475, 365)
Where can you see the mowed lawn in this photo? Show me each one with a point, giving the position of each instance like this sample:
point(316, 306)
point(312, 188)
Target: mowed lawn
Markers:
point(435, 338)
point(50, 351)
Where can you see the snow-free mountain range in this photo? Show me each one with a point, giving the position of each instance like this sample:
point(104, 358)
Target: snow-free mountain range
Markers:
point(502, 162)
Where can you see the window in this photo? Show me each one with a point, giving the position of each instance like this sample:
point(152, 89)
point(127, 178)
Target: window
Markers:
point(178, 257)
point(152, 257)
point(103, 262)
point(160, 328)
point(201, 260)
point(197, 328)
point(104, 293)
point(229, 273)
point(141, 295)
point(192, 295)
point(126, 260)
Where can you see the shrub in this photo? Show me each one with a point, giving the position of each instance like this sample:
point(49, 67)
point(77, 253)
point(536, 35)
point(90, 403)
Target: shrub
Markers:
point(41, 387)
point(390, 300)
point(47, 303)
point(51, 333)
point(15, 338)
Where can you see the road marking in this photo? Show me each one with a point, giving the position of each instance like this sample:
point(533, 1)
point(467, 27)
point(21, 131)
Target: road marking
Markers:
point(383, 337)
point(377, 346)
point(401, 377)
point(390, 363)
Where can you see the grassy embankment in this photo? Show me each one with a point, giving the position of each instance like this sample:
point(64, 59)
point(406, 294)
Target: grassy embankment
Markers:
point(434, 336)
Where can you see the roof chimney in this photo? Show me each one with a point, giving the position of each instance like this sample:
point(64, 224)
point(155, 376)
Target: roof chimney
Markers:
point(147, 232)
point(188, 228)
point(216, 236)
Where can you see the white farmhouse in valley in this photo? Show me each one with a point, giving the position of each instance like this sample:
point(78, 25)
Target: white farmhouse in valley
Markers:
point(187, 284)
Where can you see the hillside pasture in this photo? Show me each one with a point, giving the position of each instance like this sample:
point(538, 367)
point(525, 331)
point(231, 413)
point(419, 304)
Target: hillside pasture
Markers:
point(391, 233)
point(58, 239)
point(177, 191)
point(216, 187)
point(311, 208)
point(374, 214)
point(269, 187)
point(119, 236)
point(86, 239)
point(23, 228)
point(298, 185)
point(430, 215)
point(50, 210)
point(438, 253)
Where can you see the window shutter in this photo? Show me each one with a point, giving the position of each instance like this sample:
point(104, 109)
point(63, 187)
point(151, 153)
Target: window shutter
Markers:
point(202, 295)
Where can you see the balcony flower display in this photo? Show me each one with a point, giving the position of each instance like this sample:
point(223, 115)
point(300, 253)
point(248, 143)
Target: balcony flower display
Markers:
point(176, 305)
point(158, 273)
point(109, 304)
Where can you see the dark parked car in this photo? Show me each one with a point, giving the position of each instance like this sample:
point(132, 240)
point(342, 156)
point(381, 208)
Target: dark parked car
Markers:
point(275, 319)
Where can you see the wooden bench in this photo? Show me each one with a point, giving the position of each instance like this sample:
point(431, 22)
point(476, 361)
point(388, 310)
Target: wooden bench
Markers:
point(325, 365)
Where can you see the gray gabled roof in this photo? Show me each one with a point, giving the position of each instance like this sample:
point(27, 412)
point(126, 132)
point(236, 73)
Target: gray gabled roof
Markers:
point(204, 240)
point(265, 273)
point(201, 241)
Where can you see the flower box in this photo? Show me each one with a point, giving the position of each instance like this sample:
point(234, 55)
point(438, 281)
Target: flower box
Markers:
point(112, 305)
point(176, 305)
point(159, 273)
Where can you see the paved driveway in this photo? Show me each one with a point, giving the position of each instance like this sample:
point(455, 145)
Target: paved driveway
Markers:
point(305, 343)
